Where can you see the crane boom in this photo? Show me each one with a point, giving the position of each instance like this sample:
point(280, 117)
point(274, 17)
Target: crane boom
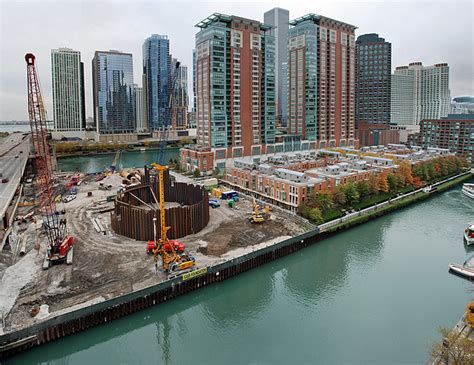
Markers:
point(53, 224)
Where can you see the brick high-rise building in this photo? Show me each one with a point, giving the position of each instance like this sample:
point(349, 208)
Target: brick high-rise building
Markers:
point(455, 132)
point(321, 80)
point(234, 88)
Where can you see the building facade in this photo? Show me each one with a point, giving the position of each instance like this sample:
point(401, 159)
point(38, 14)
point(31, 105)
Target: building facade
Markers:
point(373, 82)
point(454, 132)
point(69, 112)
point(462, 105)
point(140, 107)
point(426, 87)
point(179, 112)
point(234, 86)
point(157, 74)
point(278, 19)
point(321, 80)
point(112, 83)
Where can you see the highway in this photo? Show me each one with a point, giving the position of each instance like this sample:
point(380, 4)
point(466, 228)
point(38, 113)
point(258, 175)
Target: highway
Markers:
point(12, 168)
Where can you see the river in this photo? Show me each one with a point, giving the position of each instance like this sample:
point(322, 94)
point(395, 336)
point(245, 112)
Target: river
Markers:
point(101, 162)
point(374, 294)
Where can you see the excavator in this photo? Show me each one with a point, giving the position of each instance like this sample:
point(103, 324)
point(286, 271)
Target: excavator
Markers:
point(258, 215)
point(172, 261)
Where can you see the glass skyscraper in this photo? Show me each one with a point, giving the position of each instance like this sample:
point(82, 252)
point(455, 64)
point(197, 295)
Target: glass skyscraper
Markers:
point(157, 73)
point(112, 74)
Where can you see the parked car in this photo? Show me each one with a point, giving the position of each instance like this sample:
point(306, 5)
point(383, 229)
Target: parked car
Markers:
point(5, 180)
point(214, 203)
point(69, 198)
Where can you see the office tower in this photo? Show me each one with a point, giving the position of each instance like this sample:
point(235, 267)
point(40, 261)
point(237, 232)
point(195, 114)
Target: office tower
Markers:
point(321, 80)
point(278, 19)
point(373, 70)
point(180, 96)
point(139, 108)
point(235, 85)
point(68, 92)
point(112, 75)
point(427, 87)
point(284, 94)
point(156, 71)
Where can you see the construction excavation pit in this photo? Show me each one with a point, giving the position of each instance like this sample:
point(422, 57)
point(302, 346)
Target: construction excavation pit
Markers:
point(186, 206)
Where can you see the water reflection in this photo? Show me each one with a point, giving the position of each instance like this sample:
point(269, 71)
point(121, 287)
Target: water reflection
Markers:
point(244, 300)
point(322, 270)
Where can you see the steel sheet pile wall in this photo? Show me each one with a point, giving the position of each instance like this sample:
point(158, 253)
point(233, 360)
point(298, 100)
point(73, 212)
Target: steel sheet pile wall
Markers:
point(132, 218)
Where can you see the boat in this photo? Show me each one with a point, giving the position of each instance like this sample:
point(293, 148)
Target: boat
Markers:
point(469, 234)
point(468, 190)
point(462, 271)
point(142, 149)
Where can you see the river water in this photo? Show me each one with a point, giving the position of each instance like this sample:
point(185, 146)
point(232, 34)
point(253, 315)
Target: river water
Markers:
point(374, 294)
point(101, 162)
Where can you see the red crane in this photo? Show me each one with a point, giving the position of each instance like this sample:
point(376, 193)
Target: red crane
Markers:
point(60, 245)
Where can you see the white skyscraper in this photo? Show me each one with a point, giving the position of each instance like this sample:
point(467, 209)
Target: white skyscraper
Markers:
point(419, 93)
point(68, 93)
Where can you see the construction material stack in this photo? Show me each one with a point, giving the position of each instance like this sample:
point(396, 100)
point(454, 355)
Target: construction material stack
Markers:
point(60, 245)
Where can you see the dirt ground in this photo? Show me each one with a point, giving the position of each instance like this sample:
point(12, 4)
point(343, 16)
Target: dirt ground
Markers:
point(109, 265)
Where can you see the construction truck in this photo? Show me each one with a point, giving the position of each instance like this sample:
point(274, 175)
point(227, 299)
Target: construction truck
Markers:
point(470, 314)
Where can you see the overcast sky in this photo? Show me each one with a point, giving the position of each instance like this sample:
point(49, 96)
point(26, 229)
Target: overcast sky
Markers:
point(427, 31)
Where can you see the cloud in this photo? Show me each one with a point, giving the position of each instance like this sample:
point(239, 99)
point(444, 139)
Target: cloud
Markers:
point(419, 31)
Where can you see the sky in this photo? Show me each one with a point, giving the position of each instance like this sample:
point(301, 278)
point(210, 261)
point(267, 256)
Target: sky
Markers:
point(427, 31)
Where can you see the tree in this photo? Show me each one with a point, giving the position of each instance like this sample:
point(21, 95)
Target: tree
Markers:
point(321, 200)
point(351, 193)
point(363, 188)
point(373, 185)
point(392, 183)
point(383, 183)
point(197, 173)
point(404, 169)
point(338, 197)
point(315, 216)
point(453, 349)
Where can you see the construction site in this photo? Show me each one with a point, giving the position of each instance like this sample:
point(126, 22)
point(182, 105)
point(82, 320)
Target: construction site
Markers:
point(76, 240)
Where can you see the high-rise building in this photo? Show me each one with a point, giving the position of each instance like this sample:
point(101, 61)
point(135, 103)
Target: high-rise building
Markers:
point(284, 94)
point(321, 80)
point(112, 75)
point(462, 105)
point(139, 107)
point(278, 19)
point(373, 84)
point(68, 92)
point(156, 71)
point(402, 99)
point(454, 132)
point(427, 87)
point(234, 88)
point(179, 113)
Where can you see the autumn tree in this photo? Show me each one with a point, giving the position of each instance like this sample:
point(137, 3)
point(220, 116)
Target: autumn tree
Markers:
point(323, 201)
point(404, 169)
point(382, 182)
point(453, 349)
point(373, 185)
point(338, 196)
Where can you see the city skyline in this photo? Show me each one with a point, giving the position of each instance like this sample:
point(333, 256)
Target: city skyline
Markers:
point(408, 31)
